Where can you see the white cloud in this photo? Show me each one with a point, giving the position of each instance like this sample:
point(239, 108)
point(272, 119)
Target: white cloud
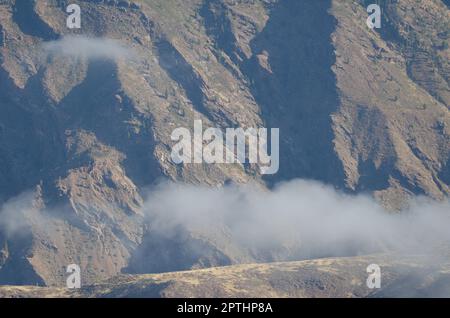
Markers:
point(296, 220)
point(311, 218)
point(85, 47)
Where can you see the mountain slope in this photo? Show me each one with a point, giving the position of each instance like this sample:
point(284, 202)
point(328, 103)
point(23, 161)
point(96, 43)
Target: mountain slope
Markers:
point(406, 276)
point(81, 139)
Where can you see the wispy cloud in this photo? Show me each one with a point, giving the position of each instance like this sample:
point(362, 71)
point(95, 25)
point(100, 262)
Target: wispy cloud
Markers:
point(312, 219)
point(296, 220)
point(86, 47)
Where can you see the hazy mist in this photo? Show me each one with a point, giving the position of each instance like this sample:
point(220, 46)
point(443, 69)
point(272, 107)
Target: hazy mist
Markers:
point(86, 47)
point(306, 216)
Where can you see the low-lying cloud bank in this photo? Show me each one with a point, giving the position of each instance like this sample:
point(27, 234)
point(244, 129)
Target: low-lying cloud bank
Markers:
point(309, 218)
point(86, 47)
point(296, 220)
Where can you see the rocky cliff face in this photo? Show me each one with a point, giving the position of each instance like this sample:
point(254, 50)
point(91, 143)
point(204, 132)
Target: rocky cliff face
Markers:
point(81, 138)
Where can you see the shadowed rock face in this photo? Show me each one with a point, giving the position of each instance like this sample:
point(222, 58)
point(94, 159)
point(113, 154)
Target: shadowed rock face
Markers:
point(363, 111)
point(297, 89)
point(158, 254)
point(29, 22)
